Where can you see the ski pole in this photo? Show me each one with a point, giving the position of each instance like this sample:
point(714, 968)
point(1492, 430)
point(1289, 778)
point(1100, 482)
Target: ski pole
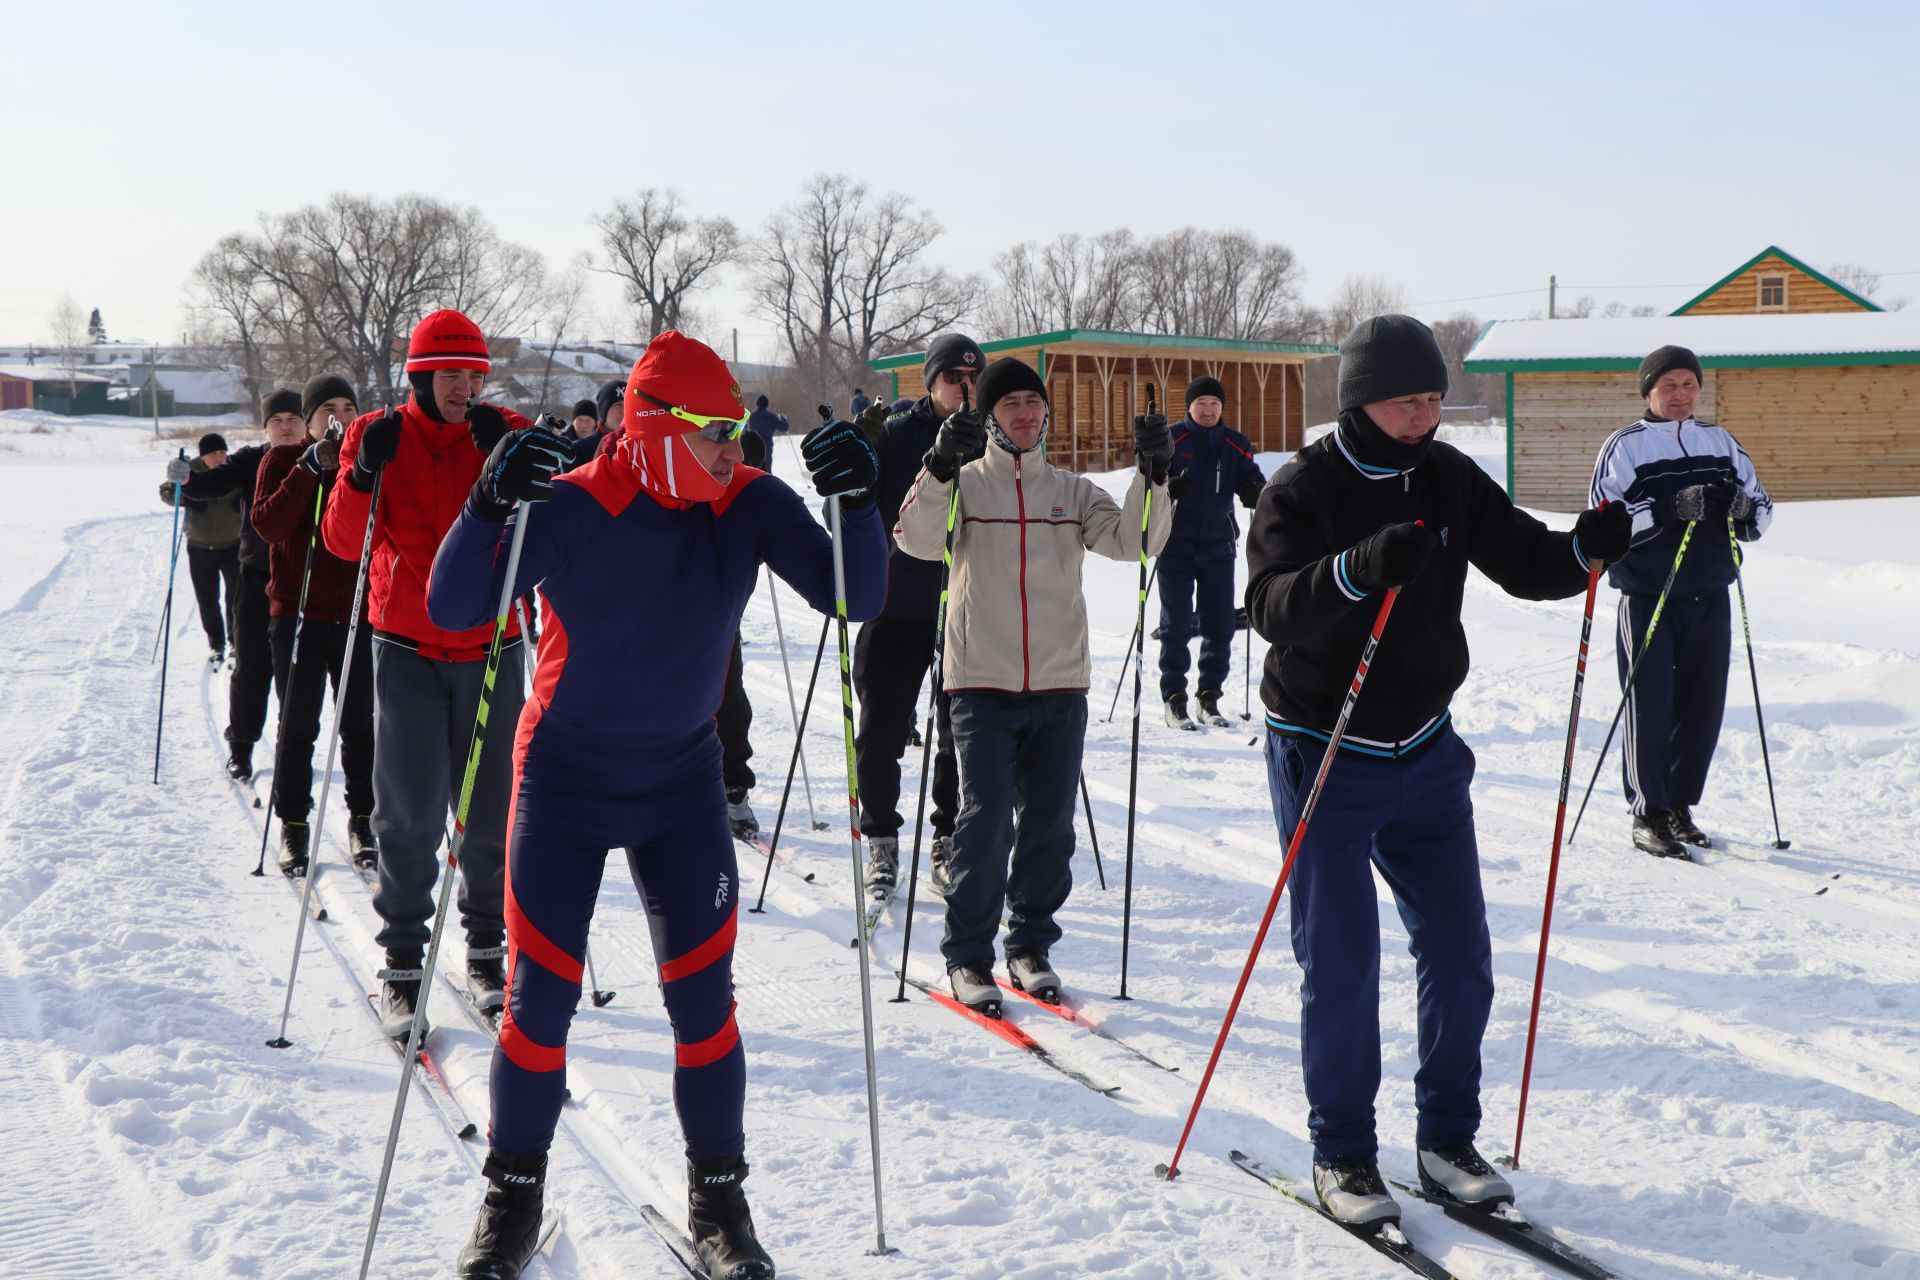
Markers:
point(806, 780)
point(1633, 669)
point(601, 999)
point(1093, 837)
point(1553, 863)
point(1121, 683)
point(1133, 755)
point(280, 731)
point(933, 703)
point(1171, 1169)
point(166, 608)
point(799, 736)
point(1754, 673)
point(333, 741)
point(166, 621)
point(1246, 688)
point(417, 1031)
point(834, 517)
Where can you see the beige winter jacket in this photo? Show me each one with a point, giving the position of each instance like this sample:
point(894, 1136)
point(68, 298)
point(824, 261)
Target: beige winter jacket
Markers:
point(1016, 617)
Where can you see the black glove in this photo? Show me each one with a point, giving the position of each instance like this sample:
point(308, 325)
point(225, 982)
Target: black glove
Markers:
point(754, 448)
point(1740, 506)
point(378, 443)
point(1392, 557)
point(1604, 532)
point(1695, 502)
point(1249, 492)
point(520, 469)
point(873, 420)
point(322, 456)
point(961, 439)
point(486, 425)
point(1153, 443)
point(842, 462)
point(1180, 486)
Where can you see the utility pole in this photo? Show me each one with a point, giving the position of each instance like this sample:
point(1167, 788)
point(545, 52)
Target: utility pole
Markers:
point(1553, 287)
point(736, 344)
point(153, 386)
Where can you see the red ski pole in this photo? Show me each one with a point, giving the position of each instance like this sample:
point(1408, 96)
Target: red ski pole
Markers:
point(1553, 865)
point(1171, 1169)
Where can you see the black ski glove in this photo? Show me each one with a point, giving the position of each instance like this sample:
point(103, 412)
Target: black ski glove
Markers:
point(754, 449)
point(872, 421)
point(520, 469)
point(1153, 445)
point(322, 457)
point(1180, 486)
point(1604, 532)
point(1695, 502)
point(378, 443)
point(1249, 492)
point(841, 462)
point(961, 439)
point(486, 425)
point(1392, 557)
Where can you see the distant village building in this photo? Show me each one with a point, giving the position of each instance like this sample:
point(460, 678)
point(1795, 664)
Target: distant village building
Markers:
point(53, 388)
point(1820, 385)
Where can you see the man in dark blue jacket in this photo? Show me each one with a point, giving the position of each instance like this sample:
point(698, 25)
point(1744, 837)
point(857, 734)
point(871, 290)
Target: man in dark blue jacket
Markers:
point(1212, 466)
point(894, 650)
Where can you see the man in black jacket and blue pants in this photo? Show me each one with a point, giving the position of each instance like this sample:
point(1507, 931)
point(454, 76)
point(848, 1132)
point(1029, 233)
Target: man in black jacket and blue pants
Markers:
point(1378, 504)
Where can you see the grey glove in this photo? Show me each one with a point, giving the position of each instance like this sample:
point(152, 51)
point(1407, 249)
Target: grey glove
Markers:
point(1695, 502)
point(1741, 507)
point(178, 470)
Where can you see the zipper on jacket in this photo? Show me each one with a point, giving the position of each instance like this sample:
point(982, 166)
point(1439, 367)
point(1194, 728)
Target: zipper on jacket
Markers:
point(1020, 500)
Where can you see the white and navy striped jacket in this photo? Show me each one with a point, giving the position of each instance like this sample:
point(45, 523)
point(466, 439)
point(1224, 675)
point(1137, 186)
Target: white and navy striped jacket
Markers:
point(1654, 458)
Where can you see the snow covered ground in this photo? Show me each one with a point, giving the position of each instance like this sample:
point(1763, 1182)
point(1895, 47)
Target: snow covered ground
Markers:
point(1727, 1082)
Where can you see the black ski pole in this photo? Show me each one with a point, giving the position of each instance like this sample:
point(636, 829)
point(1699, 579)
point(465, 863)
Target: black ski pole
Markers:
point(1754, 673)
point(1093, 836)
point(799, 736)
point(1121, 683)
point(601, 999)
point(1133, 755)
point(166, 621)
point(780, 631)
point(1633, 669)
point(166, 608)
point(293, 670)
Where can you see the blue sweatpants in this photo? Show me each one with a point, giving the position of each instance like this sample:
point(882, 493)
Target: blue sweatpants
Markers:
point(1413, 820)
point(681, 854)
point(1678, 696)
point(1182, 582)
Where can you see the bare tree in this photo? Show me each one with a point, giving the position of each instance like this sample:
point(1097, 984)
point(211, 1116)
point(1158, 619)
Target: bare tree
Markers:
point(69, 329)
point(566, 301)
point(1863, 280)
point(662, 256)
point(1219, 284)
point(1071, 282)
point(1358, 298)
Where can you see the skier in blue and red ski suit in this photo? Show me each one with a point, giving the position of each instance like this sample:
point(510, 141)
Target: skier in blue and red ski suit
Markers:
point(644, 559)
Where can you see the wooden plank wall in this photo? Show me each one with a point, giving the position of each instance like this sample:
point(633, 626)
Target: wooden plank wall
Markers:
point(1848, 432)
point(1563, 419)
point(1741, 295)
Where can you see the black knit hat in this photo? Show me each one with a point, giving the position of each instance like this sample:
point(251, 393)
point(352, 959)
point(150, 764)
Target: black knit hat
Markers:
point(212, 442)
point(1004, 377)
point(321, 388)
point(1666, 360)
point(1389, 356)
point(951, 351)
point(1206, 385)
point(284, 400)
point(610, 394)
point(585, 409)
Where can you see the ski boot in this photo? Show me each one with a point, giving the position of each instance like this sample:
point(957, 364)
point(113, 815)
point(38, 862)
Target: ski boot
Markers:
point(1686, 830)
point(507, 1231)
point(883, 867)
point(1352, 1192)
point(940, 868)
point(1177, 717)
point(974, 988)
point(240, 761)
point(740, 815)
point(218, 656)
point(721, 1224)
point(1210, 710)
point(399, 996)
point(487, 974)
point(1030, 972)
point(293, 849)
point(1459, 1174)
point(1653, 833)
point(362, 851)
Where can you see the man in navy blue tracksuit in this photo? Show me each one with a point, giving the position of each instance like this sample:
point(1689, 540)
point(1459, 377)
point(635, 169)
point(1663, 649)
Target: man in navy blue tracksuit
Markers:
point(1375, 505)
point(1212, 466)
point(1674, 473)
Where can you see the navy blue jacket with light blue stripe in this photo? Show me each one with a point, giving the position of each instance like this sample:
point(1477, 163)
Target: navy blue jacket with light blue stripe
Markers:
point(1301, 595)
point(1639, 465)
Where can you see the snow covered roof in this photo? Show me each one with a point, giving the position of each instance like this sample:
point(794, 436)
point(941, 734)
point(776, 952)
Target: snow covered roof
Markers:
point(203, 386)
point(49, 372)
point(1737, 341)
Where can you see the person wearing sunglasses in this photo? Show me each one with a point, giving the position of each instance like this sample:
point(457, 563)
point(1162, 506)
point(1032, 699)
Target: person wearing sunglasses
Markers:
point(645, 559)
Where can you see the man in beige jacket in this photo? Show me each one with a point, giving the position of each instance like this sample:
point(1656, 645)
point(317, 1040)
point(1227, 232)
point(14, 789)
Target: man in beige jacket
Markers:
point(1016, 666)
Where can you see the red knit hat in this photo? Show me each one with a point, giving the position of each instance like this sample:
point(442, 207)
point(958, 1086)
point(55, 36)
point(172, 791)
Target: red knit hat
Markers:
point(447, 340)
point(678, 372)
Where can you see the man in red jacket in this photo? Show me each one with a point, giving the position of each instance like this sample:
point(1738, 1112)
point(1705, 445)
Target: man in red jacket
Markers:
point(426, 454)
point(287, 499)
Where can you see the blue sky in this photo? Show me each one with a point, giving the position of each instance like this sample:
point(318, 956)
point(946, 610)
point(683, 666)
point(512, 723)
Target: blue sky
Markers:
point(1458, 149)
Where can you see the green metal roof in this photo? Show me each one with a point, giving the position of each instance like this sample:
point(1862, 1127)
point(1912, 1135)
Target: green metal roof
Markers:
point(1148, 341)
point(1773, 251)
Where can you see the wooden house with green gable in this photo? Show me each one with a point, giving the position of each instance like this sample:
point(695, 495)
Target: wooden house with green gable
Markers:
point(1821, 386)
point(1097, 381)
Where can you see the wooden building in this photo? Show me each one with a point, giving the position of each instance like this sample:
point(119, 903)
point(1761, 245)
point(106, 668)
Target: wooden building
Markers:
point(1819, 385)
point(1097, 381)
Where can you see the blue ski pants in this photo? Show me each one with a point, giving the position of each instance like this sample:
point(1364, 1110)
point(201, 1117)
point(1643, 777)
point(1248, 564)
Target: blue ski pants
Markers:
point(1182, 582)
point(1678, 696)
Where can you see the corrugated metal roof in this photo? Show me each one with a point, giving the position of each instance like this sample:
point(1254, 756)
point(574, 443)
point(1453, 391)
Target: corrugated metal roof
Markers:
point(1884, 337)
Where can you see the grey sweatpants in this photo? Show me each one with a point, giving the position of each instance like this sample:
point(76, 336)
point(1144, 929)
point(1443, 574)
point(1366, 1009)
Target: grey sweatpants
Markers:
point(423, 725)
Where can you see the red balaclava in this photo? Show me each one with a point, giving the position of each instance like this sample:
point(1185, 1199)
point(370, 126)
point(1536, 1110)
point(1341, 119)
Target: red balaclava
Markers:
point(684, 373)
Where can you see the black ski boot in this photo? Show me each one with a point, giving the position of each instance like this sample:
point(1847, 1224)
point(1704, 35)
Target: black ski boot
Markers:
point(940, 868)
point(1653, 833)
point(293, 849)
point(1210, 710)
point(362, 851)
point(1686, 830)
point(399, 995)
point(240, 761)
point(486, 974)
point(720, 1223)
point(507, 1231)
point(1177, 717)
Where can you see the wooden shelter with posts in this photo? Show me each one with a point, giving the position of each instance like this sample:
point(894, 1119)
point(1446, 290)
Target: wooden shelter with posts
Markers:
point(1819, 385)
point(1097, 381)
